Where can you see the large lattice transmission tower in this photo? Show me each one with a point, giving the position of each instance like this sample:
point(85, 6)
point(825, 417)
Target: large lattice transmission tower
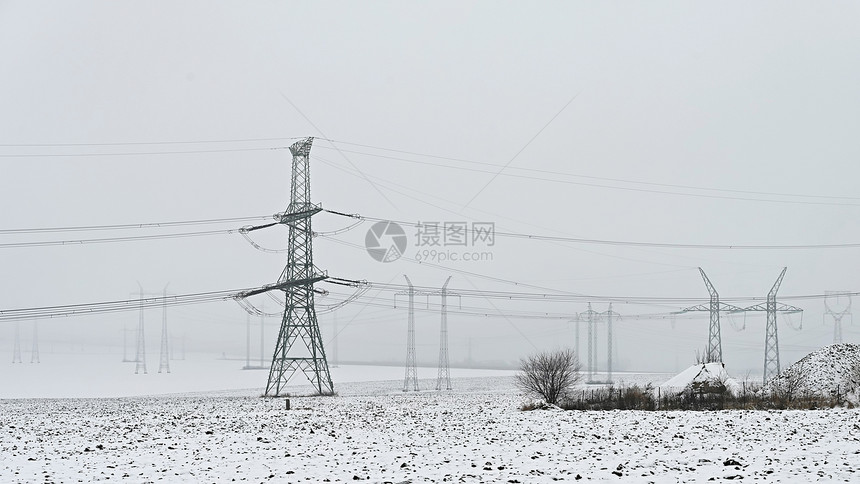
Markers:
point(714, 348)
point(411, 377)
point(299, 347)
point(444, 363)
point(771, 338)
point(837, 314)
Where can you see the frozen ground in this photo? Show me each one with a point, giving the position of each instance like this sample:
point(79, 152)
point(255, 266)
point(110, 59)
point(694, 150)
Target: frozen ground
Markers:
point(374, 432)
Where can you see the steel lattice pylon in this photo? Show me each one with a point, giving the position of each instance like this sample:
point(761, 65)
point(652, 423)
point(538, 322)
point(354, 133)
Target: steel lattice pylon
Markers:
point(771, 337)
point(609, 315)
point(714, 349)
point(299, 346)
point(140, 354)
point(411, 378)
point(164, 359)
point(444, 365)
point(591, 318)
point(837, 315)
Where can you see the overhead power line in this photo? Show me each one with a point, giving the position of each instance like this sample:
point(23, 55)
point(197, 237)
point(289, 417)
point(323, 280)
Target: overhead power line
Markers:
point(147, 225)
point(60, 311)
point(492, 168)
point(519, 172)
point(136, 153)
point(105, 240)
point(145, 143)
point(580, 240)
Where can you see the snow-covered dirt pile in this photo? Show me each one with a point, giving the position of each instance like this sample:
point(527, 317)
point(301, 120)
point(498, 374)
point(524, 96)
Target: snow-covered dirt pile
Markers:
point(708, 377)
point(824, 371)
point(430, 436)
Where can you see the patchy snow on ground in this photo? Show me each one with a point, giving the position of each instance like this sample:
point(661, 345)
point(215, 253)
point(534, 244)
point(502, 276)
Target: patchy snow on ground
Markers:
point(825, 371)
point(374, 432)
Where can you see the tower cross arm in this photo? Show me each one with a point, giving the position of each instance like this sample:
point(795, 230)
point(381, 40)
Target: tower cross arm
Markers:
point(706, 307)
point(785, 308)
point(289, 217)
point(282, 286)
point(780, 308)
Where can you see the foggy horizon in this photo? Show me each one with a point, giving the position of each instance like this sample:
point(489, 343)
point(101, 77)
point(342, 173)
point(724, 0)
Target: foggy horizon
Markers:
point(679, 125)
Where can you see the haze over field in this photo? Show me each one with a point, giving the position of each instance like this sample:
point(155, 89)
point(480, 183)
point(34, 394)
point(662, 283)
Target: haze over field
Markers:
point(720, 124)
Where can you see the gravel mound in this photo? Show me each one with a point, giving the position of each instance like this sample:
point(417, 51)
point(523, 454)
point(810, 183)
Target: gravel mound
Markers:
point(834, 368)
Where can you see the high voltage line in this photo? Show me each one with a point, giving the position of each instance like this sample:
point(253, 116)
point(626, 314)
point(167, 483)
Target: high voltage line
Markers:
point(105, 240)
point(670, 245)
point(106, 307)
point(136, 153)
point(143, 143)
point(515, 235)
point(551, 172)
point(459, 214)
point(147, 225)
point(60, 311)
point(571, 297)
point(608, 179)
point(491, 166)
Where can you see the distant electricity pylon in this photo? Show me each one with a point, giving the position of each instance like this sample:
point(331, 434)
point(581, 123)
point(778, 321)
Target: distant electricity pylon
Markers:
point(591, 318)
point(140, 355)
point(164, 362)
point(714, 349)
point(34, 353)
point(444, 364)
point(16, 347)
point(299, 323)
point(411, 377)
point(609, 314)
point(837, 314)
point(771, 340)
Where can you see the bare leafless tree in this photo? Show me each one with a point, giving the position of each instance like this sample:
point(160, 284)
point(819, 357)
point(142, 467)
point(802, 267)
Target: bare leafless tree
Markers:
point(549, 375)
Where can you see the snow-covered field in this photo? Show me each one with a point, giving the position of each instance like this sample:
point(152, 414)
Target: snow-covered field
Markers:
point(374, 432)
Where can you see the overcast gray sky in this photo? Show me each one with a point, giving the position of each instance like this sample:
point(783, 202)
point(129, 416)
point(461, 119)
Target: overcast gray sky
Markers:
point(753, 104)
